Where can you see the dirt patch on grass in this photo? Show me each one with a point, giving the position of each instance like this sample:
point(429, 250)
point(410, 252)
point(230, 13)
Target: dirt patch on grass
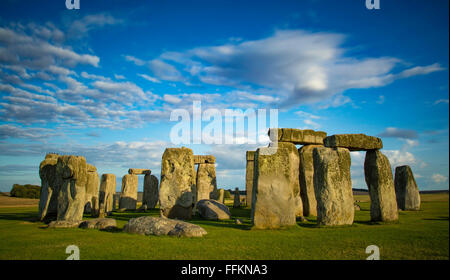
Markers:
point(7, 201)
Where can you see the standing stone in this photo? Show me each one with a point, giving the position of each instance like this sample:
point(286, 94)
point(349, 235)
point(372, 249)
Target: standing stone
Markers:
point(177, 193)
point(273, 202)
point(237, 199)
point(50, 186)
point(72, 196)
point(249, 176)
point(294, 181)
point(220, 195)
point(151, 191)
point(333, 186)
point(406, 190)
point(128, 195)
point(379, 180)
point(92, 185)
point(307, 180)
point(107, 191)
point(206, 181)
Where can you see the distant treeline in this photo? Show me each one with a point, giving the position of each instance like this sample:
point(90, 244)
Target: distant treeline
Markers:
point(25, 191)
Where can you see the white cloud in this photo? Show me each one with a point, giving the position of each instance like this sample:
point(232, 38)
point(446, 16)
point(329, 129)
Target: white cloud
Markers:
point(135, 60)
point(381, 99)
point(438, 178)
point(393, 132)
point(149, 78)
point(81, 27)
point(439, 101)
point(32, 52)
point(301, 66)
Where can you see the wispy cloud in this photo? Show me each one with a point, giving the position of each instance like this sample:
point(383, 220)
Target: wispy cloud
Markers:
point(393, 132)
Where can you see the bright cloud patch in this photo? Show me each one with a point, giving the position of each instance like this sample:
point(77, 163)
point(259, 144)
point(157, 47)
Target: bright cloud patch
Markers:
point(300, 66)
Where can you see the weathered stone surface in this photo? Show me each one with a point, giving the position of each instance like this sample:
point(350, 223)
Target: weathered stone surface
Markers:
point(128, 195)
point(206, 181)
point(91, 168)
point(92, 190)
point(64, 224)
point(213, 210)
point(162, 226)
point(177, 193)
point(220, 195)
point(297, 136)
point(139, 171)
point(107, 191)
point(100, 223)
point(406, 190)
point(307, 180)
point(250, 155)
point(50, 186)
point(333, 186)
point(249, 176)
point(72, 196)
point(199, 159)
point(294, 164)
point(354, 142)
point(237, 199)
point(273, 202)
point(379, 180)
point(151, 191)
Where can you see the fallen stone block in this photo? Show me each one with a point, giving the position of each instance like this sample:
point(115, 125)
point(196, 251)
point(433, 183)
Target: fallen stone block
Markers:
point(163, 226)
point(100, 223)
point(211, 209)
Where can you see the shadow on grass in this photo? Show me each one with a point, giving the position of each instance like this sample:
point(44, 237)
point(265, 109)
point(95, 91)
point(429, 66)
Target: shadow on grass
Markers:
point(28, 217)
point(437, 219)
point(224, 223)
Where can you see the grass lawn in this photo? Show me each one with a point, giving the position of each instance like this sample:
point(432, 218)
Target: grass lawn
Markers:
point(418, 235)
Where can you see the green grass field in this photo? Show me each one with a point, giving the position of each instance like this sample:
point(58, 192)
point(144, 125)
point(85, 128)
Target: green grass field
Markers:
point(418, 235)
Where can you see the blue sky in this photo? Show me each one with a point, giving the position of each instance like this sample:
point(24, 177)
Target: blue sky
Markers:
point(102, 81)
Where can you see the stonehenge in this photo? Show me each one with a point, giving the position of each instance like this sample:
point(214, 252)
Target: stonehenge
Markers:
point(406, 190)
point(177, 193)
point(378, 175)
point(284, 183)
